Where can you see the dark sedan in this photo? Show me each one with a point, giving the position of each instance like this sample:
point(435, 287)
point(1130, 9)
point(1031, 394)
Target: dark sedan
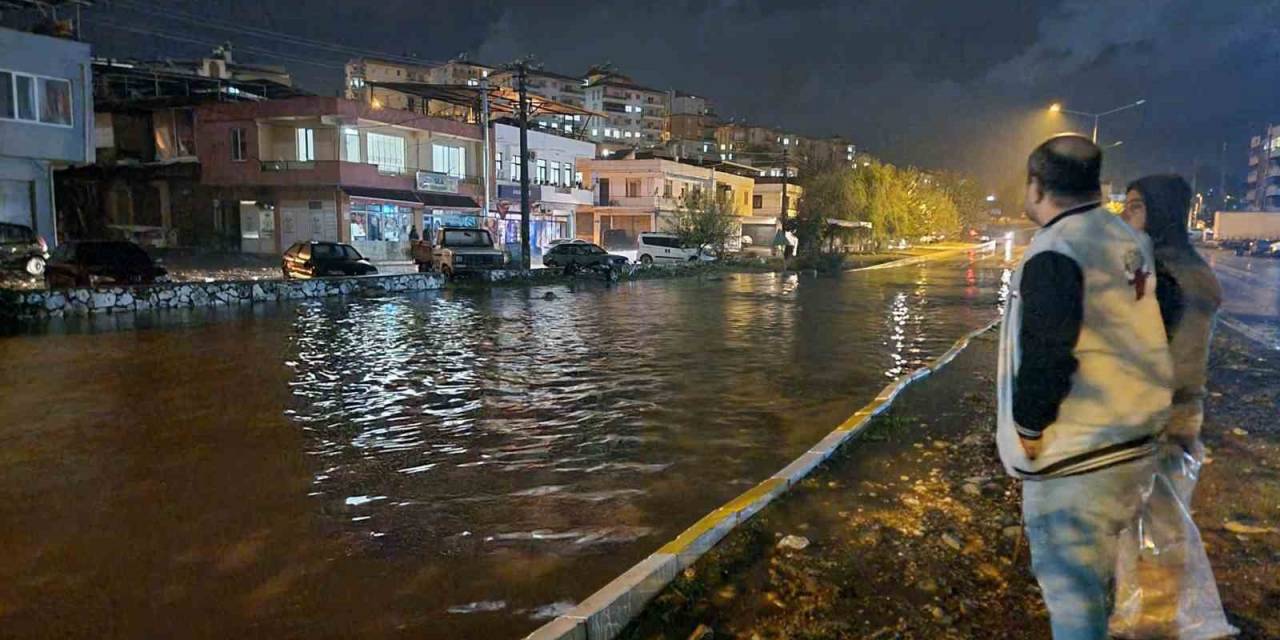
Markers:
point(573, 256)
point(320, 259)
point(90, 263)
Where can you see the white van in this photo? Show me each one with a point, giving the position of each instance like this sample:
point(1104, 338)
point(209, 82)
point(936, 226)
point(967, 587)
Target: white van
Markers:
point(654, 247)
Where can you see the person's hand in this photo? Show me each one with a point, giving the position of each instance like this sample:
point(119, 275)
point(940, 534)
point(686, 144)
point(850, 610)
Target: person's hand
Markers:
point(1031, 448)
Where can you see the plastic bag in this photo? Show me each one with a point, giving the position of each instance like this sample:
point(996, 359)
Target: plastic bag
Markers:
point(1164, 584)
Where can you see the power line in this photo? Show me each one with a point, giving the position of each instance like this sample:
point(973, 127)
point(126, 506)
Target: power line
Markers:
point(259, 32)
point(207, 43)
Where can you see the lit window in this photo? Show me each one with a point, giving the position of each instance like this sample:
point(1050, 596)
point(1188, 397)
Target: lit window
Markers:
point(449, 160)
point(305, 142)
point(722, 146)
point(542, 171)
point(595, 132)
point(848, 156)
point(849, 148)
point(385, 151)
point(351, 145)
point(786, 141)
point(554, 177)
point(497, 164)
point(568, 128)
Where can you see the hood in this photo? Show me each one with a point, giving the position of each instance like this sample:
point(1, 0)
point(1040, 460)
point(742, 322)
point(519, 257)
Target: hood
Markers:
point(1168, 200)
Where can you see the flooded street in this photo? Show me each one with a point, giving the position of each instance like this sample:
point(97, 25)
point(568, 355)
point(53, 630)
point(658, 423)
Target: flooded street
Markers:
point(1250, 295)
point(460, 464)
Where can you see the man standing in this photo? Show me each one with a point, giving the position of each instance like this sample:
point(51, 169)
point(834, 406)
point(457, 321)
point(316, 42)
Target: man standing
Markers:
point(1084, 383)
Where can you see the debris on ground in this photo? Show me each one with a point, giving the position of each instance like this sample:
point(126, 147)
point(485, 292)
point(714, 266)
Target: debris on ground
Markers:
point(927, 542)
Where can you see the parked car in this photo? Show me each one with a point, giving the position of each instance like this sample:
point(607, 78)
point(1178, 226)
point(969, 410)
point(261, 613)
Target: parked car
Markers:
point(90, 263)
point(572, 256)
point(1260, 248)
point(566, 241)
point(458, 250)
point(654, 247)
point(313, 259)
point(21, 248)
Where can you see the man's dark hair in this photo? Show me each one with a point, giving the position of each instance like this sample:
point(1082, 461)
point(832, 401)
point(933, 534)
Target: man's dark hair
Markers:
point(1068, 167)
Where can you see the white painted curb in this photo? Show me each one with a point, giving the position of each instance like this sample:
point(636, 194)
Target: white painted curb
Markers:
point(604, 614)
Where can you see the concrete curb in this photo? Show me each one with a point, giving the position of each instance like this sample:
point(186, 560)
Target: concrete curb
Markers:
point(605, 613)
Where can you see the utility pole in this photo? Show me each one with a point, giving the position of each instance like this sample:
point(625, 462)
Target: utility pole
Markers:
point(484, 124)
point(782, 215)
point(1222, 174)
point(524, 165)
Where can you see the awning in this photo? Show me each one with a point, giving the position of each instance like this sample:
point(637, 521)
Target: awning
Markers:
point(848, 224)
point(447, 200)
point(398, 195)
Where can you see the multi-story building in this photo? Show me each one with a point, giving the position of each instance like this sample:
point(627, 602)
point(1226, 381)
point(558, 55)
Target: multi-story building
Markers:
point(335, 169)
point(46, 122)
point(556, 190)
point(362, 74)
point(770, 148)
point(767, 206)
point(831, 151)
point(1262, 185)
point(145, 182)
point(634, 196)
point(634, 115)
point(557, 87)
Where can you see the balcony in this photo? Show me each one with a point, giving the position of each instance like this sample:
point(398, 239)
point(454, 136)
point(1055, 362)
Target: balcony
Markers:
point(1272, 191)
point(1273, 172)
point(320, 173)
point(638, 202)
point(1252, 177)
point(1274, 152)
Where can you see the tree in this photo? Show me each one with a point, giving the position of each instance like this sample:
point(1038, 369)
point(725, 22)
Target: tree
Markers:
point(971, 203)
point(704, 220)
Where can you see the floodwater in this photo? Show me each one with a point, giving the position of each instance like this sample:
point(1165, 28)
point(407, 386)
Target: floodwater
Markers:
point(459, 464)
point(1250, 295)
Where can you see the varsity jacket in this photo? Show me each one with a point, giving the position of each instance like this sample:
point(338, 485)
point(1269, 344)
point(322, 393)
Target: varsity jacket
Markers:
point(1084, 364)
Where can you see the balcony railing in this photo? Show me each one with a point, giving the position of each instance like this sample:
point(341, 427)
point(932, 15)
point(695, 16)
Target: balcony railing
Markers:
point(288, 165)
point(1275, 152)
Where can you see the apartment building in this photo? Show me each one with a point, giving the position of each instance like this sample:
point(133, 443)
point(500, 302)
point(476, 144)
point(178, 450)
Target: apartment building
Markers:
point(557, 87)
point(46, 123)
point(1262, 185)
point(634, 115)
point(767, 208)
point(635, 196)
point(556, 191)
point(334, 169)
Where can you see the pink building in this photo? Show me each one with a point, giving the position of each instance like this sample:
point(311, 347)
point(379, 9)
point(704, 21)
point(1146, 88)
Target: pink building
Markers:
point(334, 169)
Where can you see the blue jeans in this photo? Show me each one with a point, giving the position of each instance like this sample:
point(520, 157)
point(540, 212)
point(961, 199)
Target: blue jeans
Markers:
point(1073, 526)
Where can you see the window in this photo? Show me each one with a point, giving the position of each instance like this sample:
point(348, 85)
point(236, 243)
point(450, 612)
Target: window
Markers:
point(555, 172)
point(542, 171)
point(666, 188)
point(35, 99)
point(351, 145)
point(238, 146)
point(305, 143)
point(516, 167)
point(449, 160)
point(385, 151)
point(567, 169)
point(55, 101)
point(757, 202)
point(497, 164)
point(633, 188)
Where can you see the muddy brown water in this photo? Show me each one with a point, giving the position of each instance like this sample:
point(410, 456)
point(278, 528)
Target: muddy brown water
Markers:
point(458, 464)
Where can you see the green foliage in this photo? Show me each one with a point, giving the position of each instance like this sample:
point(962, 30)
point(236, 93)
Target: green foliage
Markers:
point(899, 202)
point(704, 220)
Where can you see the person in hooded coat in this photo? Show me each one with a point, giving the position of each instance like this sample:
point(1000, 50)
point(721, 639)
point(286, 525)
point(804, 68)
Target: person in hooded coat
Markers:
point(1188, 293)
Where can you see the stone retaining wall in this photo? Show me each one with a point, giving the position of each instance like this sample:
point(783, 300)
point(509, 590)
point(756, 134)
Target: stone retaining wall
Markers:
point(186, 295)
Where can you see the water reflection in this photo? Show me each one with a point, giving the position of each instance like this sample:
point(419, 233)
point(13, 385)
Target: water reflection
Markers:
point(464, 463)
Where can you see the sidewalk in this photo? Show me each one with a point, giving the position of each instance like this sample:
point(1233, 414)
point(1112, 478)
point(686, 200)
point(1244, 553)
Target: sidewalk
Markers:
point(913, 531)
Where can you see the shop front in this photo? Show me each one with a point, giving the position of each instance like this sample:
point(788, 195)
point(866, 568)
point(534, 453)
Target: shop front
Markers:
point(381, 221)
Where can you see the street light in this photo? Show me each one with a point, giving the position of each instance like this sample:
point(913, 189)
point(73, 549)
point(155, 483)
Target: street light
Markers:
point(1057, 108)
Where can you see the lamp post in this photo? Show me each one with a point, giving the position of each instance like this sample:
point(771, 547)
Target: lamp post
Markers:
point(1057, 108)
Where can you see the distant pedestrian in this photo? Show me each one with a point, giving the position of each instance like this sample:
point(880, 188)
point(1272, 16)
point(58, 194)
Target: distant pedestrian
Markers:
point(413, 233)
point(1084, 383)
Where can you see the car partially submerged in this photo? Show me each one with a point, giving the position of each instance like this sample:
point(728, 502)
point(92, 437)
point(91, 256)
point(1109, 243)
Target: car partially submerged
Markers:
point(576, 256)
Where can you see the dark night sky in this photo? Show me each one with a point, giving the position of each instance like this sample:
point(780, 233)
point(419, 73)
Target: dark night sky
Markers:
point(938, 83)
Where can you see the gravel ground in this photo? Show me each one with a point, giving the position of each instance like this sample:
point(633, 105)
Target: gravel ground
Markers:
point(913, 532)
